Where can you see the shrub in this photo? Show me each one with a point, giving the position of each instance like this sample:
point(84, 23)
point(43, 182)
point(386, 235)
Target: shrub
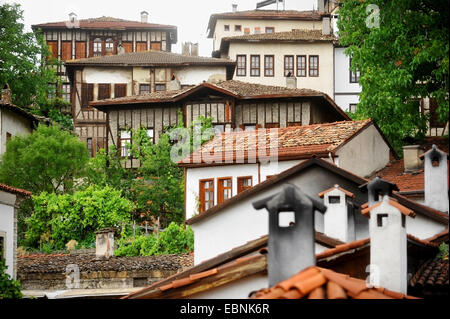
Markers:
point(9, 288)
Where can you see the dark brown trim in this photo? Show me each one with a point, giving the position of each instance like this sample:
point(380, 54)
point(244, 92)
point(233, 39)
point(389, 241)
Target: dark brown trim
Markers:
point(285, 60)
point(252, 68)
point(201, 195)
point(309, 66)
point(269, 69)
point(220, 188)
point(297, 64)
point(277, 178)
point(241, 188)
point(245, 65)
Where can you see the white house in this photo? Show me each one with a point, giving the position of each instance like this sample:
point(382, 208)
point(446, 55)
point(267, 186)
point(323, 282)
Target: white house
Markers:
point(10, 198)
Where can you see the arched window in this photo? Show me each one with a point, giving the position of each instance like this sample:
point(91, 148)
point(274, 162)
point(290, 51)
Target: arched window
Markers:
point(109, 44)
point(97, 47)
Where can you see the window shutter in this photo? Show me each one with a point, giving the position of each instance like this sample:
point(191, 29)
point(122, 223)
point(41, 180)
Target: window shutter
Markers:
point(120, 90)
point(104, 91)
point(91, 49)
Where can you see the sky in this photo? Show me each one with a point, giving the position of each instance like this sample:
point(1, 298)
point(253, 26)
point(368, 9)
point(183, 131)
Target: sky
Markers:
point(190, 16)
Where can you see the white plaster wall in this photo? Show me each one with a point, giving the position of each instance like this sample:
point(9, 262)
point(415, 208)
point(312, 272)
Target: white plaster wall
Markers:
point(280, 26)
point(344, 101)
point(107, 75)
point(193, 75)
point(141, 75)
point(366, 153)
point(7, 226)
point(322, 83)
point(423, 227)
point(13, 124)
point(273, 168)
point(342, 73)
point(240, 289)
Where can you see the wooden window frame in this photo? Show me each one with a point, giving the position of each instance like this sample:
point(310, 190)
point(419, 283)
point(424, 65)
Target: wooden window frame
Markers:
point(241, 68)
point(152, 138)
point(65, 94)
point(140, 88)
point(269, 69)
point(299, 68)
point(354, 76)
point(272, 125)
point(3, 245)
point(91, 148)
point(239, 183)
point(117, 86)
point(237, 28)
point(88, 96)
point(121, 139)
point(201, 195)
point(270, 28)
point(220, 189)
point(100, 95)
point(226, 27)
point(253, 68)
point(95, 47)
point(286, 70)
point(350, 107)
point(313, 69)
point(160, 84)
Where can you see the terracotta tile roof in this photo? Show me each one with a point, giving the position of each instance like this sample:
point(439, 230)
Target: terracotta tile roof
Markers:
point(349, 194)
point(149, 58)
point(439, 238)
point(293, 142)
point(320, 283)
point(51, 263)
point(220, 265)
point(393, 202)
point(18, 110)
point(433, 273)
point(290, 36)
point(109, 23)
point(14, 190)
point(262, 15)
point(395, 173)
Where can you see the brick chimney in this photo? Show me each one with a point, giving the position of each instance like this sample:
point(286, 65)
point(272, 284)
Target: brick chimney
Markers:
point(291, 232)
point(411, 158)
point(436, 179)
point(388, 244)
point(339, 220)
point(104, 244)
point(144, 17)
point(6, 94)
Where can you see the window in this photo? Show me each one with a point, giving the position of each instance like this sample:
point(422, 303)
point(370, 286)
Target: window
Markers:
point(269, 65)
point(249, 127)
point(352, 107)
point(334, 199)
point(301, 65)
point(89, 147)
point(120, 90)
point(2, 245)
point(288, 65)
point(270, 29)
point(8, 137)
point(246, 30)
point(151, 135)
point(313, 65)
point(109, 45)
point(237, 28)
point(241, 65)
point(66, 92)
point(87, 94)
point(354, 75)
point(144, 89)
point(257, 30)
point(254, 65)
point(97, 49)
point(244, 183)
point(226, 27)
point(51, 91)
point(206, 194)
point(125, 141)
point(224, 189)
point(219, 128)
point(104, 91)
point(160, 87)
point(272, 125)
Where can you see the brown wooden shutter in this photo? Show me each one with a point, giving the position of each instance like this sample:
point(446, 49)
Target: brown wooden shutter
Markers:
point(53, 48)
point(66, 51)
point(87, 94)
point(141, 46)
point(155, 46)
point(128, 46)
point(104, 91)
point(120, 90)
point(91, 49)
point(80, 50)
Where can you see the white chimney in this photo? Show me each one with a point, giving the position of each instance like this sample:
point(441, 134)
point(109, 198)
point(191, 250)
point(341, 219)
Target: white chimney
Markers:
point(104, 244)
point(234, 6)
point(339, 220)
point(292, 244)
point(144, 17)
point(73, 17)
point(326, 26)
point(411, 158)
point(291, 81)
point(436, 179)
point(174, 84)
point(388, 244)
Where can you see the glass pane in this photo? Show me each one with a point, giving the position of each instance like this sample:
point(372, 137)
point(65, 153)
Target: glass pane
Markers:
point(125, 134)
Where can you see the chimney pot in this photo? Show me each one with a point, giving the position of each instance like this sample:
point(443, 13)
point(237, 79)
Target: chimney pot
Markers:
point(326, 26)
point(234, 7)
point(144, 17)
point(291, 248)
point(291, 81)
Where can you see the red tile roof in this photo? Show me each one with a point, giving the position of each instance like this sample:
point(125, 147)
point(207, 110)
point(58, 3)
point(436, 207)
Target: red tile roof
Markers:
point(294, 35)
point(439, 238)
point(109, 23)
point(14, 190)
point(262, 15)
point(349, 194)
point(18, 110)
point(320, 283)
point(393, 202)
point(433, 273)
point(293, 142)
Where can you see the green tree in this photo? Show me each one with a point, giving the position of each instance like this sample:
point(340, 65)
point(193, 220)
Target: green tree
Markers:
point(59, 218)
point(21, 54)
point(49, 160)
point(402, 53)
point(9, 288)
